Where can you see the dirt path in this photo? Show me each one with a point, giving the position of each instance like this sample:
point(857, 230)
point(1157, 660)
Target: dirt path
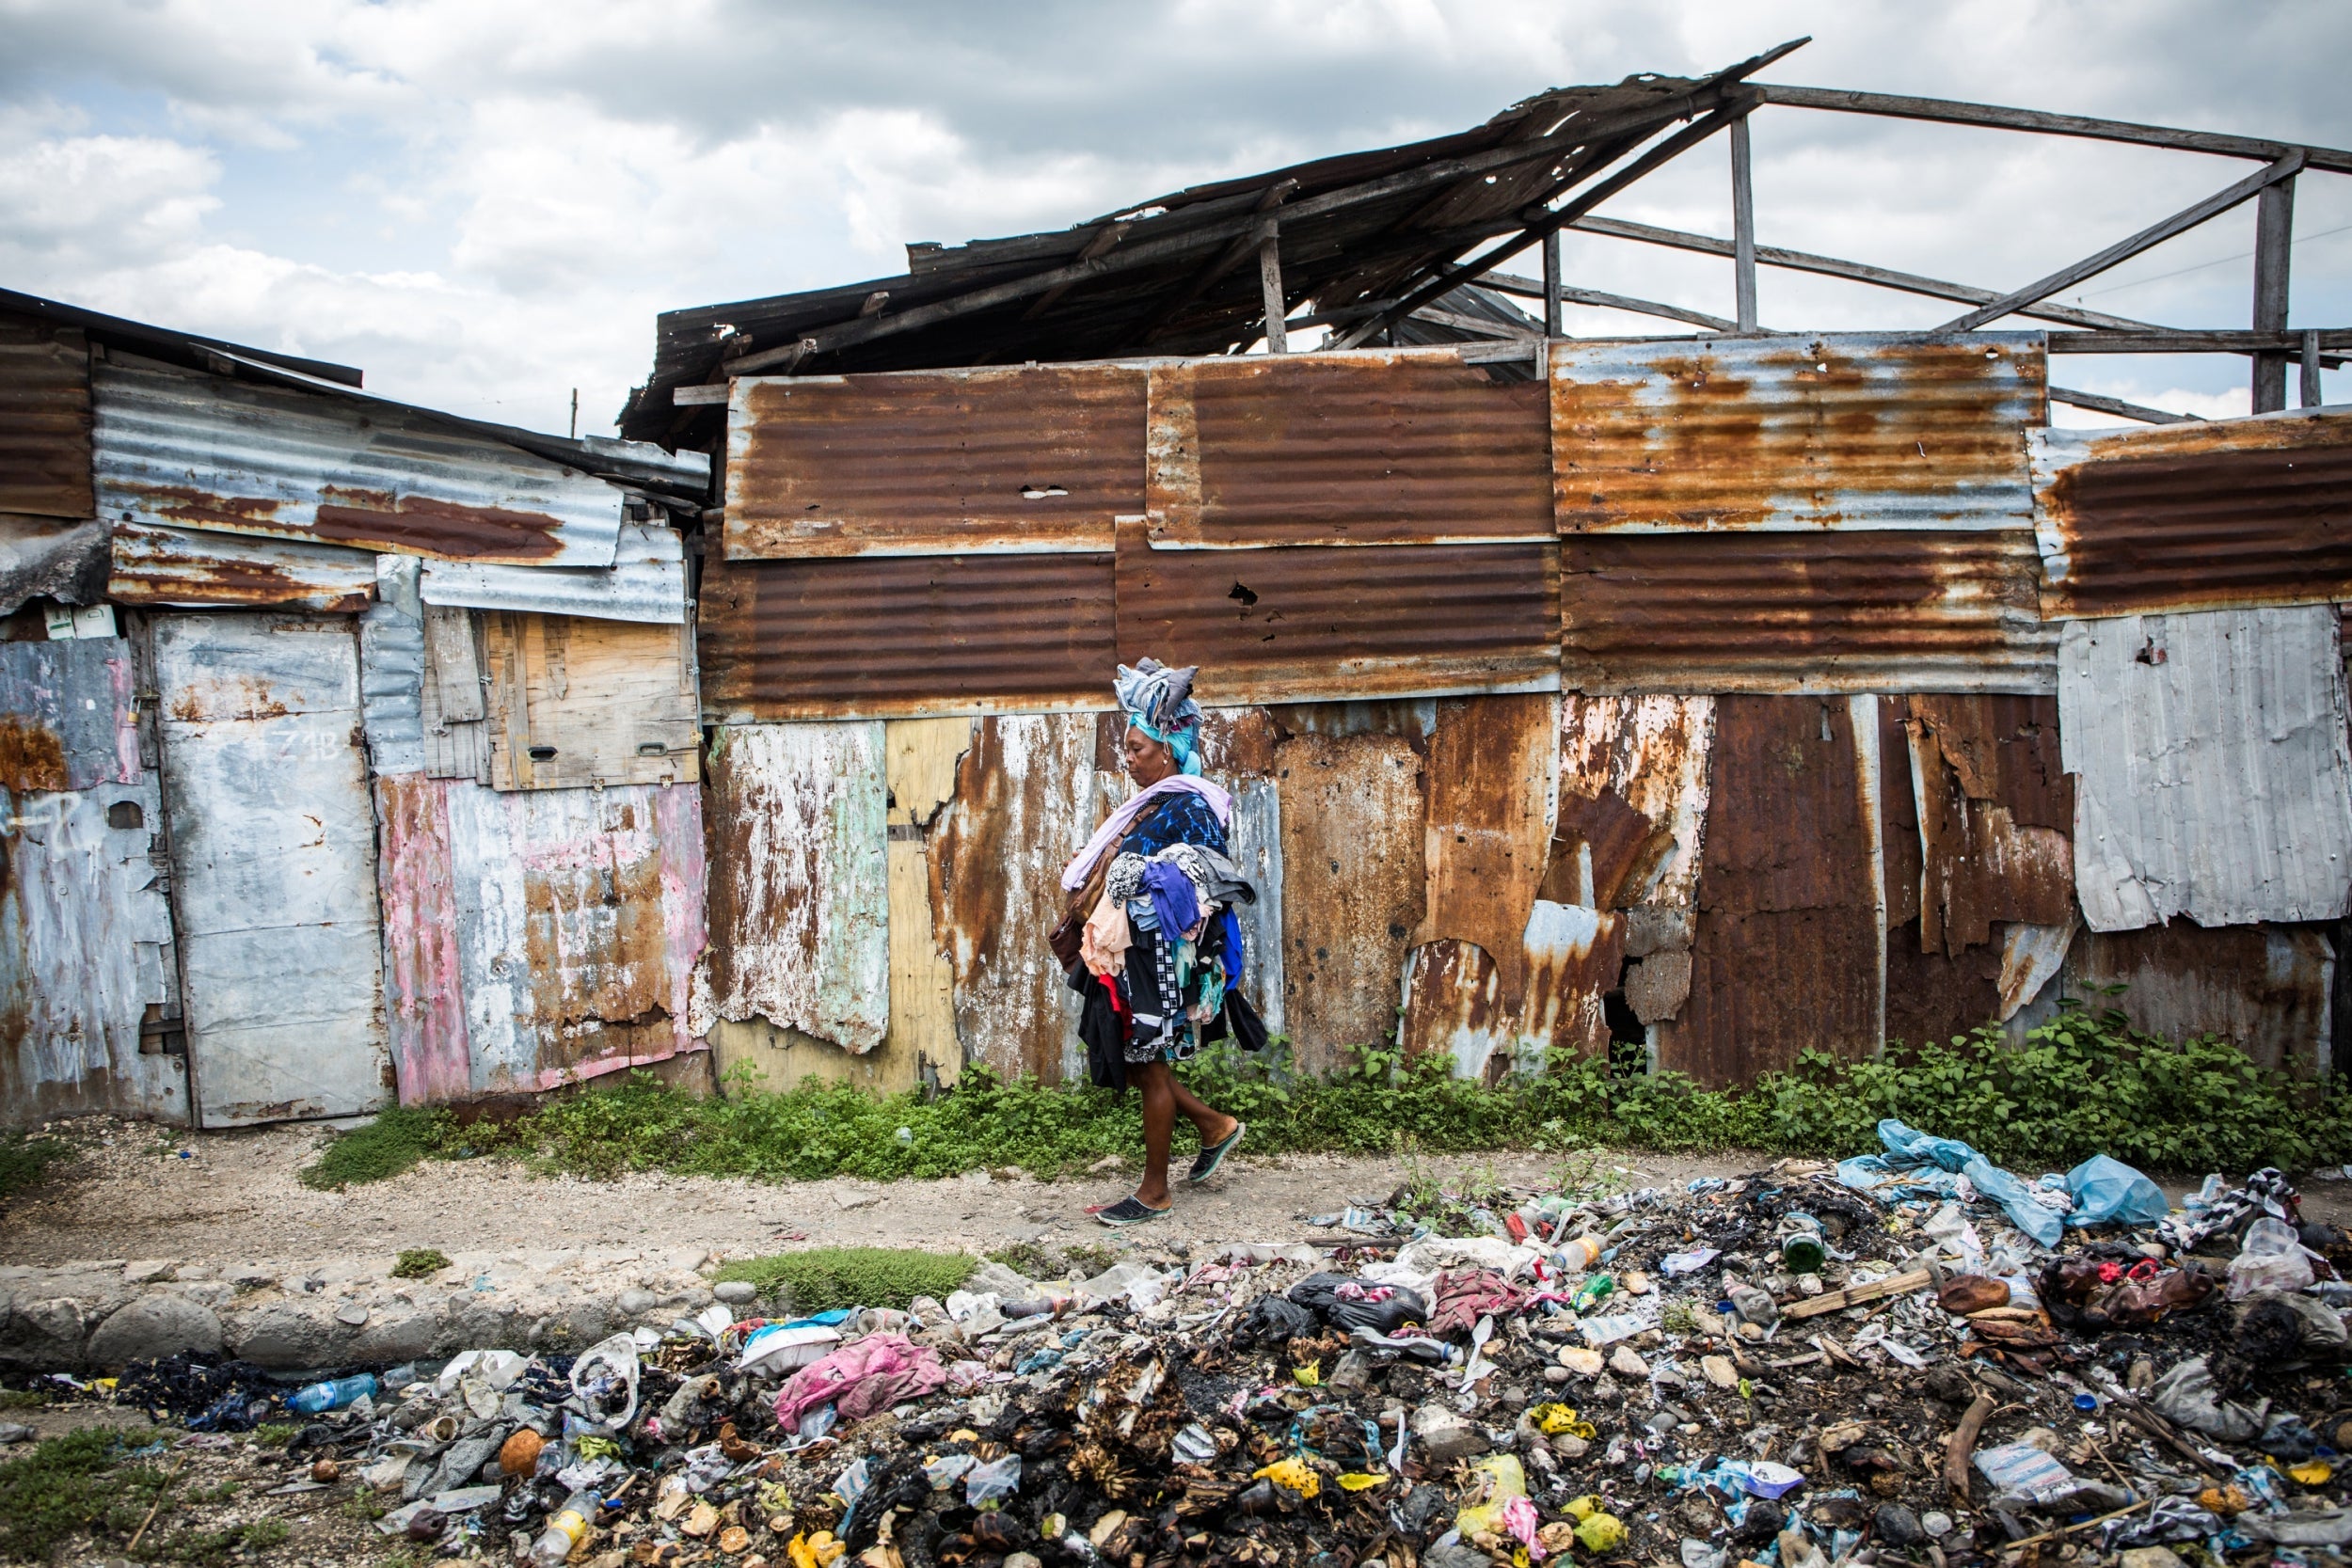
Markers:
point(130, 1195)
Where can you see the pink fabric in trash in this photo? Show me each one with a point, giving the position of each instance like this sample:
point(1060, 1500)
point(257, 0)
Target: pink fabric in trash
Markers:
point(859, 1379)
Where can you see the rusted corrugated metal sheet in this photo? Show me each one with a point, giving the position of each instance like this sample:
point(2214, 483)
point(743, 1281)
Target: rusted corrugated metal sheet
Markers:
point(580, 917)
point(905, 637)
point(2195, 516)
point(172, 566)
point(1299, 624)
point(45, 418)
point(1454, 994)
point(1996, 813)
point(2214, 778)
point(200, 451)
point(1633, 803)
point(646, 581)
point(86, 953)
point(1354, 886)
point(1833, 611)
point(2266, 989)
point(930, 463)
point(1489, 796)
point(67, 715)
point(424, 971)
point(1862, 430)
point(1026, 801)
point(1387, 447)
point(1932, 996)
point(273, 846)
point(1789, 946)
point(800, 890)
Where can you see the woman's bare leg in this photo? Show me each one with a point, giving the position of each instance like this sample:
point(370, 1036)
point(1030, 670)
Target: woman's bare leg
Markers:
point(1214, 1125)
point(1158, 1087)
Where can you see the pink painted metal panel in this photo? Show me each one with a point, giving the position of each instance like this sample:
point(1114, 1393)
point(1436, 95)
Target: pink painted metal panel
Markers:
point(425, 990)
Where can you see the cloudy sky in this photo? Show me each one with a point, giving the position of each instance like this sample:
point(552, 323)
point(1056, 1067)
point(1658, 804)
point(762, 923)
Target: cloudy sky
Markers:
point(484, 202)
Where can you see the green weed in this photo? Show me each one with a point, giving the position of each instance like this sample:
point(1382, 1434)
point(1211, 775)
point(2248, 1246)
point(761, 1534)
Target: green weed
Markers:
point(822, 1278)
point(394, 1141)
point(212, 1546)
point(26, 1160)
point(1085, 1260)
point(420, 1263)
point(1027, 1257)
point(273, 1435)
point(68, 1484)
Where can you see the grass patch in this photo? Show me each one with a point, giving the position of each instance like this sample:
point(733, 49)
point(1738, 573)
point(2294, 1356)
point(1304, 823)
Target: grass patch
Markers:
point(212, 1546)
point(822, 1278)
point(396, 1140)
point(1027, 1257)
point(2083, 1082)
point(273, 1435)
point(26, 1160)
point(65, 1485)
point(22, 1399)
point(420, 1263)
point(1085, 1260)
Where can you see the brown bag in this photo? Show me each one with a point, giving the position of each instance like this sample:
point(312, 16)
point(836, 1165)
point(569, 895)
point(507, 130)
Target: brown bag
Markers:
point(1068, 936)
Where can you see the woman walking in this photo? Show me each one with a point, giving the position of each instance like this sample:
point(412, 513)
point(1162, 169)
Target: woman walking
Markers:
point(1150, 940)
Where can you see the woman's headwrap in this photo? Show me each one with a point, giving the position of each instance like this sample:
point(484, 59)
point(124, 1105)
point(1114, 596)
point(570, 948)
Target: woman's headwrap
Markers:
point(1158, 701)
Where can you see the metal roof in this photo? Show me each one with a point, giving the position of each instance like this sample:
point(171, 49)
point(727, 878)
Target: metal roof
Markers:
point(185, 566)
point(646, 581)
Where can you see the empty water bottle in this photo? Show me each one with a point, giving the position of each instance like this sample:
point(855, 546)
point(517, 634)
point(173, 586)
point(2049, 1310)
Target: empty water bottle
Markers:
point(565, 1527)
point(333, 1394)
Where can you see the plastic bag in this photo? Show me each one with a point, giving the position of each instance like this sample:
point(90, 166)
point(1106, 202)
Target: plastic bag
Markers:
point(2271, 1258)
point(2108, 1191)
point(993, 1482)
point(1273, 1320)
point(1350, 1303)
point(605, 1378)
point(2022, 1470)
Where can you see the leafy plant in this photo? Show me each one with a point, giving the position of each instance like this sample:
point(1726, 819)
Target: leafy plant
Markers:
point(64, 1485)
point(26, 1160)
point(396, 1140)
point(419, 1263)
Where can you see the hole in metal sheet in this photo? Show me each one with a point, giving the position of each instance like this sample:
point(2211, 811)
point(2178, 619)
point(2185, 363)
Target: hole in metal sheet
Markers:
point(125, 814)
point(542, 753)
point(1241, 591)
point(1038, 492)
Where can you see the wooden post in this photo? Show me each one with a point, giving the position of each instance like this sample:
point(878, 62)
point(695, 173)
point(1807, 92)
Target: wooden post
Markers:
point(1742, 227)
point(1270, 280)
point(2273, 234)
point(2311, 398)
point(1551, 284)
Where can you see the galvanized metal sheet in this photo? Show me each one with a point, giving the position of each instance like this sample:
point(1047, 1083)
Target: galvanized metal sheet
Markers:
point(1297, 625)
point(2268, 990)
point(1995, 814)
point(1829, 611)
point(905, 637)
point(67, 715)
point(1354, 886)
point(2208, 515)
point(1026, 801)
point(800, 887)
point(646, 581)
point(1038, 458)
point(391, 668)
point(2212, 775)
point(1394, 446)
point(175, 449)
point(580, 919)
point(51, 557)
point(178, 566)
point(1632, 801)
point(1796, 433)
point(1788, 951)
point(1490, 796)
point(45, 418)
point(273, 846)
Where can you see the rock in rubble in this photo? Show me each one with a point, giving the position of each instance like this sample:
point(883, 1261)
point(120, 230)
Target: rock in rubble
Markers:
point(152, 1327)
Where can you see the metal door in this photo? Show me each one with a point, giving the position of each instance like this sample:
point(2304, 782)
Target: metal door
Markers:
point(273, 846)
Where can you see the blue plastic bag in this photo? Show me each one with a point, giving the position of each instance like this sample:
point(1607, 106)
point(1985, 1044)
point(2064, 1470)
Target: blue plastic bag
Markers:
point(1906, 1145)
point(2109, 1191)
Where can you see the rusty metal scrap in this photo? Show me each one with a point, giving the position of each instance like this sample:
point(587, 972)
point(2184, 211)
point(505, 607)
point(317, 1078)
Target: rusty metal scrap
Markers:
point(1384, 447)
point(177, 566)
point(937, 462)
point(905, 637)
point(800, 904)
point(2213, 778)
point(1632, 800)
point(1995, 815)
point(2197, 516)
point(52, 557)
point(45, 418)
point(1837, 431)
point(1838, 610)
point(2265, 988)
point(204, 452)
point(67, 715)
point(1489, 803)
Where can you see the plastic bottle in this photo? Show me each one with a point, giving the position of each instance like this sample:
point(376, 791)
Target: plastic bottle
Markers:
point(1801, 1249)
point(565, 1527)
point(333, 1394)
point(1580, 1254)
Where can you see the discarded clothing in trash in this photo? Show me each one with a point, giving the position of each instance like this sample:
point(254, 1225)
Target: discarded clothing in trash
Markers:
point(2216, 1210)
point(860, 1379)
point(1347, 1303)
point(1465, 1295)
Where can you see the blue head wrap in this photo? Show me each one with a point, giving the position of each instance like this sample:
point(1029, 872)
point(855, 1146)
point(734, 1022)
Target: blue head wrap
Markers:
point(1158, 701)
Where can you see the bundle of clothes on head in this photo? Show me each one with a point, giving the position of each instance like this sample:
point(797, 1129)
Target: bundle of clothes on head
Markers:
point(1161, 952)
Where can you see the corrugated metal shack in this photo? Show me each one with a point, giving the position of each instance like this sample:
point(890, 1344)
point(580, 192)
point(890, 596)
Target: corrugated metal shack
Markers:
point(349, 749)
point(1732, 693)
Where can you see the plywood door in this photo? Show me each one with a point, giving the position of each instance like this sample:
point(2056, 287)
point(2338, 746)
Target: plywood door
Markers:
point(273, 849)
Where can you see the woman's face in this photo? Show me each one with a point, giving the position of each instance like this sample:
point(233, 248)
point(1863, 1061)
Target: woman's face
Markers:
point(1148, 761)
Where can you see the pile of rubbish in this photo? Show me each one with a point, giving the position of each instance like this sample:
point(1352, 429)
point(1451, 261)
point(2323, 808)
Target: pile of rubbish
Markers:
point(1911, 1355)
